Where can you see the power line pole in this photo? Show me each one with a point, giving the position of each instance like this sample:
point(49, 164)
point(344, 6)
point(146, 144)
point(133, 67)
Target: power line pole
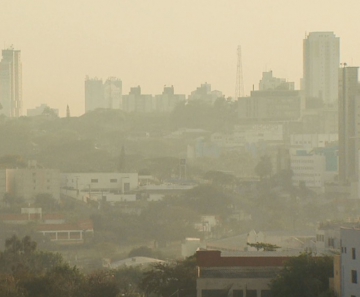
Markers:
point(239, 88)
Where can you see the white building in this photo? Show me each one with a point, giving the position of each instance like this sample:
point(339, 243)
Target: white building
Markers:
point(269, 82)
point(113, 93)
point(11, 83)
point(94, 94)
point(103, 95)
point(137, 102)
point(31, 181)
point(310, 141)
point(350, 262)
point(308, 168)
point(204, 93)
point(91, 185)
point(321, 64)
point(167, 101)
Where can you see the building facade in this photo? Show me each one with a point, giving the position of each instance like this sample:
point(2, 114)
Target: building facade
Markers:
point(271, 105)
point(350, 262)
point(100, 182)
point(94, 94)
point(11, 83)
point(167, 101)
point(269, 82)
point(113, 93)
point(349, 124)
point(321, 60)
point(135, 101)
point(235, 276)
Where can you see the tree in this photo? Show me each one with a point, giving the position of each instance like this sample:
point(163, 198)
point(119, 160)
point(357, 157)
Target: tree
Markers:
point(21, 257)
point(268, 247)
point(264, 167)
point(122, 161)
point(166, 279)
point(304, 275)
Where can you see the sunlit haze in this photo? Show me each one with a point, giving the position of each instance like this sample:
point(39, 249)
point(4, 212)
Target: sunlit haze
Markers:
point(161, 42)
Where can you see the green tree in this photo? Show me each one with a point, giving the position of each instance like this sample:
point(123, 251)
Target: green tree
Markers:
point(166, 279)
point(268, 247)
point(264, 167)
point(304, 275)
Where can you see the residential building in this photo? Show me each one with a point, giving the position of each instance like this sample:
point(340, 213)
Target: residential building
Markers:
point(310, 141)
point(94, 94)
point(137, 102)
point(42, 109)
point(321, 52)
point(235, 275)
point(204, 93)
point(270, 105)
point(167, 101)
point(269, 82)
point(349, 125)
point(113, 93)
point(11, 83)
point(350, 262)
point(308, 169)
point(33, 180)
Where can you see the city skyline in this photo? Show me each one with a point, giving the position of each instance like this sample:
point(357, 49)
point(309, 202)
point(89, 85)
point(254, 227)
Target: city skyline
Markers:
point(162, 43)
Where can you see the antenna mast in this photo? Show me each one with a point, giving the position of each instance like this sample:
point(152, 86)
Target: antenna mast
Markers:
point(239, 89)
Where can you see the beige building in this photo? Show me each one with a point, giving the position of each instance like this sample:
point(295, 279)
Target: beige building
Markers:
point(271, 105)
point(31, 181)
point(321, 62)
point(236, 276)
point(11, 83)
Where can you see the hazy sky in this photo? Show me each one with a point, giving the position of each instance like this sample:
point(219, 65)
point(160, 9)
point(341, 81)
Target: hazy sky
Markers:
point(156, 42)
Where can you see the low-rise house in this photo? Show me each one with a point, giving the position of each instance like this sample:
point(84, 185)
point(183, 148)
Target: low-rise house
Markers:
point(67, 233)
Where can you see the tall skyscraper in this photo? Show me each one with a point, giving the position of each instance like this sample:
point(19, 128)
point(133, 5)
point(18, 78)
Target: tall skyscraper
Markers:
point(11, 83)
point(349, 124)
point(321, 63)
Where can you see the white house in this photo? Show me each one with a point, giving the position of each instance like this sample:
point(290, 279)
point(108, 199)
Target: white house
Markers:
point(350, 262)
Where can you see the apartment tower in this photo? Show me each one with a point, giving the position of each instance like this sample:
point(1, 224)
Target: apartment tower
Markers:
point(11, 83)
point(349, 125)
point(321, 63)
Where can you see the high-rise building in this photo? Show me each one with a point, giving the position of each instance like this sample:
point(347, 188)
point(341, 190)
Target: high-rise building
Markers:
point(349, 124)
point(94, 94)
point(103, 95)
point(167, 101)
point(135, 101)
point(113, 93)
point(321, 62)
point(10, 83)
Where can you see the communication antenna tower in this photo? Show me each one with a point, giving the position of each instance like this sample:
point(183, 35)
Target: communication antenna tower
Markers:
point(239, 89)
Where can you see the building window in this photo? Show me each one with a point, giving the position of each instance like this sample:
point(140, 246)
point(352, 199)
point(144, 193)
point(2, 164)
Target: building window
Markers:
point(94, 180)
point(353, 253)
point(113, 180)
point(354, 276)
point(251, 293)
point(266, 293)
point(238, 293)
point(126, 187)
point(214, 293)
